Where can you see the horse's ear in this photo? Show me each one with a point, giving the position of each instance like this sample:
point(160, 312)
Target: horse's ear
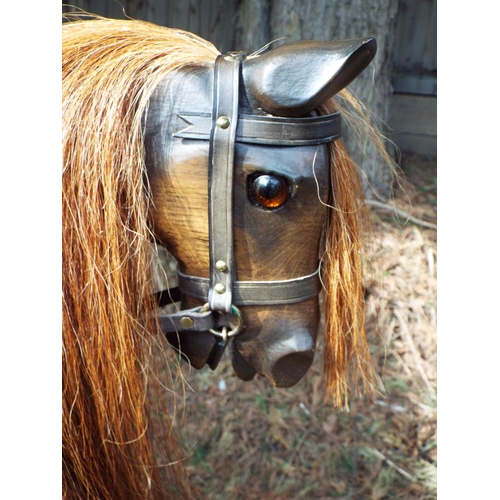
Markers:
point(296, 78)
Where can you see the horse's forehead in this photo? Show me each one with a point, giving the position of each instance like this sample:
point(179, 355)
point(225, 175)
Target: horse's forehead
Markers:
point(188, 89)
point(191, 90)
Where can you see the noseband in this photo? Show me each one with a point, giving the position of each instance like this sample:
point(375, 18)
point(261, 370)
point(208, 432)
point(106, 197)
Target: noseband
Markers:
point(222, 293)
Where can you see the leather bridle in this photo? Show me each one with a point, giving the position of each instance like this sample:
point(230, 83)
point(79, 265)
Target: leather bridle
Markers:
point(222, 292)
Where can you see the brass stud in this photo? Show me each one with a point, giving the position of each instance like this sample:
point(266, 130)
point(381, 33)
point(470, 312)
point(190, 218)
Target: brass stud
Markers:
point(219, 288)
point(186, 322)
point(221, 266)
point(222, 122)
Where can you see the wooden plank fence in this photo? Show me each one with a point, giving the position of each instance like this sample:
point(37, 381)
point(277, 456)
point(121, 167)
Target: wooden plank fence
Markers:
point(213, 20)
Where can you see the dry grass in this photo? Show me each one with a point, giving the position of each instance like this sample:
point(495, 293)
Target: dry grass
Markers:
point(253, 441)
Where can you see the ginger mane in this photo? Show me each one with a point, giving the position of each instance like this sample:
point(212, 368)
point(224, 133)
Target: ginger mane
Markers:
point(110, 334)
point(347, 360)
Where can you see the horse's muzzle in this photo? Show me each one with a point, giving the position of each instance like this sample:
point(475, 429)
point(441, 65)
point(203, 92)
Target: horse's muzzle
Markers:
point(281, 350)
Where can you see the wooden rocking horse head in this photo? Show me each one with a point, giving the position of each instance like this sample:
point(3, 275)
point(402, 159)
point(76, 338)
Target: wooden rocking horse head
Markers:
point(234, 164)
point(239, 168)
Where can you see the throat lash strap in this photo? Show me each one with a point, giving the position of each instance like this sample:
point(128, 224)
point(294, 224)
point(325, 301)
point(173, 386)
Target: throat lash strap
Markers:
point(221, 165)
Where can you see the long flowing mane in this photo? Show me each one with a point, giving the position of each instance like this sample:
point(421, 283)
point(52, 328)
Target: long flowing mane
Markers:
point(115, 443)
point(347, 358)
point(110, 69)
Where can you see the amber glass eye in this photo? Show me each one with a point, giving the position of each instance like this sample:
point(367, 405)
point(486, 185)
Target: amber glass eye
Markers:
point(268, 191)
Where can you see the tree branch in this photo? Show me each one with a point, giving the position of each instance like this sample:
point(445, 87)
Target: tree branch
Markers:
point(390, 208)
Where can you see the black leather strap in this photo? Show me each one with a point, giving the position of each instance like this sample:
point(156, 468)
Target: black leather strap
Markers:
point(247, 293)
point(270, 130)
point(189, 320)
point(221, 163)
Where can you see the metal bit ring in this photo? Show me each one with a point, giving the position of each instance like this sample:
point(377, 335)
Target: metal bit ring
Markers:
point(224, 333)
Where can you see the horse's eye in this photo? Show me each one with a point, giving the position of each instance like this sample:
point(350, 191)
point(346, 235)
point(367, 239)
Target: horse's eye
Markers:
point(268, 191)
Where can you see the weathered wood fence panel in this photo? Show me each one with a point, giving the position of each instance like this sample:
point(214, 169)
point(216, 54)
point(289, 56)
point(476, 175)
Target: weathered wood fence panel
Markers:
point(413, 111)
point(415, 55)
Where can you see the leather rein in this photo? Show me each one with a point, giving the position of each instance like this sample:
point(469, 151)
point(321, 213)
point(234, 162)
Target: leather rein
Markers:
point(222, 293)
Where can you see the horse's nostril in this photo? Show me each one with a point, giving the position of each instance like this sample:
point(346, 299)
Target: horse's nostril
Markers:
point(282, 356)
point(289, 369)
point(242, 369)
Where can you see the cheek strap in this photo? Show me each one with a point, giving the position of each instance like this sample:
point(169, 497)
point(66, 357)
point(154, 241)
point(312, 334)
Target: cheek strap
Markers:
point(220, 180)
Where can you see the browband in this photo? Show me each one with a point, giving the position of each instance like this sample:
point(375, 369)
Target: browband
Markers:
point(270, 130)
point(221, 293)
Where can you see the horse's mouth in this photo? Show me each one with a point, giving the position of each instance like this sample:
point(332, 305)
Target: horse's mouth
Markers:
point(283, 363)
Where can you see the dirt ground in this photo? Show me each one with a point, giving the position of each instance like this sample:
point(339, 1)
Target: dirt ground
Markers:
point(250, 440)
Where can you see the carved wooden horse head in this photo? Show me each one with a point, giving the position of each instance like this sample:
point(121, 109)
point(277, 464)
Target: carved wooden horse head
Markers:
point(239, 170)
point(233, 163)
